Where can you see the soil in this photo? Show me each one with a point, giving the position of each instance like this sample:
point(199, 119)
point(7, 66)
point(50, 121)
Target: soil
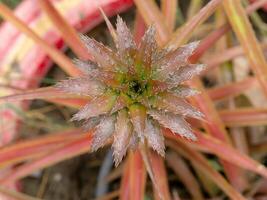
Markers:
point(74, 179)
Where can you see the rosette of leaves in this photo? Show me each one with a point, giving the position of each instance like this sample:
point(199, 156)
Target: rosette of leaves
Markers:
point(135, 90)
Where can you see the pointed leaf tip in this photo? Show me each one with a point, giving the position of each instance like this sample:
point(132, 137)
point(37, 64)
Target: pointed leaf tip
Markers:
point(122, 136)
point(91, 123)
point(184, 91)
point(174, 104)
point(169, 66)
point(125, 41)
point(154, 137)
point(175, 123)
point(103, 132)
point(187, 49)
point(147, 47)
point(109, 25)
point(103, 56)
point(83, 86)
point(186, 73)
point(87, 67)
point(98, 106)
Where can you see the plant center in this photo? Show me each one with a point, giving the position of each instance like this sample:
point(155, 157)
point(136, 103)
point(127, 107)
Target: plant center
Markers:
point(135, 87)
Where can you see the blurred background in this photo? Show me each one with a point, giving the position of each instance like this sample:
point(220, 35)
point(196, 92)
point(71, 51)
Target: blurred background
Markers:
point(233, 46)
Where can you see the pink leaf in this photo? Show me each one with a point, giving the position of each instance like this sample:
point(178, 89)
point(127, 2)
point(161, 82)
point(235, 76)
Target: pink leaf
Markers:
point(176, 105)
point(138, 119)
point(87, 67)
point(122, 134)
point(185, 73)
point(84, 86)
point(125, 41)
point(147, 46)
point(154, 137)
point(102, 55)
point(175, 123)
point(173, 60)
point(184, 91)
point(98, 106)
point(103, 132)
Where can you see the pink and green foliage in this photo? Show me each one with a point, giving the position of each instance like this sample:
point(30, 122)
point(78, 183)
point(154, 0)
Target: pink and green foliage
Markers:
point(145, 97)
point(144, 80)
